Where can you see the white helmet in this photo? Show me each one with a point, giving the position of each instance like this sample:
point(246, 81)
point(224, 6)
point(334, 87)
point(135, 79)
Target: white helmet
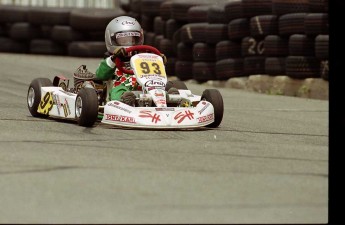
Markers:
point(123, 31)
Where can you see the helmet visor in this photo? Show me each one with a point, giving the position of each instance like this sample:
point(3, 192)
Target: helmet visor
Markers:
point(126, 38)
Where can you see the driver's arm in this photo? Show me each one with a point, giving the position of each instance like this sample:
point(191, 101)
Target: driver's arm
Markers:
point(106, 69)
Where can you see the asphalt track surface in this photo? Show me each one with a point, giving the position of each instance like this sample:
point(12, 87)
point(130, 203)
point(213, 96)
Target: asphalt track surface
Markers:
point(266, 163)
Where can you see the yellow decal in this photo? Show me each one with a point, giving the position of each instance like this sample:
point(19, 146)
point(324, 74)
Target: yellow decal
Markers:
point(46, 104)
point(148, 67)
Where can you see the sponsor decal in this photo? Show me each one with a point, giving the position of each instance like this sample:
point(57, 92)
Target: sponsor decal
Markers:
point(183, 115)
point(119, 118)
point(66, 109)
point(154, 83)
point(116, 105)
point(148, 114)
point(57, 102)
point(204, 119)
point(152, 88)
point(148, 57)
point(46, 104)
point(128, 23)
point(65, 106)
point(159, 93)
point(164, 109)
point(151, 76)
point(203, 108)
point(161, 102)
point(128, 34)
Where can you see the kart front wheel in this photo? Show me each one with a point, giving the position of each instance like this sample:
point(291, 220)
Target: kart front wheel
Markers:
point(86, 107)
point(215, 98)
point(34, 95)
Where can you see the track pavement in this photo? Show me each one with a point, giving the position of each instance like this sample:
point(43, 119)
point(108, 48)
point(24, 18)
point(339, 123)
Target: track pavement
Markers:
point(266, 163)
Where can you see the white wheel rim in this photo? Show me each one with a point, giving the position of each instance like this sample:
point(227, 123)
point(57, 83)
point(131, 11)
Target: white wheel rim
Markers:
point(31, 97)
point(78, 106)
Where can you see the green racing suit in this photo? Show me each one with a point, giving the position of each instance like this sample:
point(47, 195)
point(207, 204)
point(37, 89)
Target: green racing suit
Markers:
point(122, 82)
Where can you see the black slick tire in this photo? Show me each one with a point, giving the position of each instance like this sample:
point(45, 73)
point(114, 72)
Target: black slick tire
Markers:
point(34, 95)
point(215, 98)
point(86, 107)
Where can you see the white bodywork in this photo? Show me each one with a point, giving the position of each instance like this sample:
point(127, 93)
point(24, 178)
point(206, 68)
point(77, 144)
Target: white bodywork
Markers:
point(120, 114)
point(162, 117)
point(193, 113)
point(57, 102)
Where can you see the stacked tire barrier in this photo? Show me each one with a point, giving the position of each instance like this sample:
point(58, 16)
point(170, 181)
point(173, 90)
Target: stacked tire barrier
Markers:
point(279, 40)
point(54, 31)
point(204, 40)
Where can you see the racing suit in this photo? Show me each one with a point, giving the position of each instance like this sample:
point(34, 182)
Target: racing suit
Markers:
point(123, 82)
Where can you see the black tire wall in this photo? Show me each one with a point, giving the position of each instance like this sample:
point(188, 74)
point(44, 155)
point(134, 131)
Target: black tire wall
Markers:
point(202, 39)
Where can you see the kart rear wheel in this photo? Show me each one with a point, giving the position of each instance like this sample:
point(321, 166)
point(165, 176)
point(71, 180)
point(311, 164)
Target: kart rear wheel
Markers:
point(215, 98)
point(34, 95)
point(176, 84)
point(86, 107)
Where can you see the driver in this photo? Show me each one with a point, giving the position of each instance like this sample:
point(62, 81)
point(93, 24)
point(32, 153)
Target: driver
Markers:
point(120, 33)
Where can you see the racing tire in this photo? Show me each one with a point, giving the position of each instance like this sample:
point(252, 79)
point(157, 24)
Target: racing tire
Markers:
point(281, 7)
point(215, 98)
point(322, 46)
point(253, 8)
point(204, 71)
point(185, 51)
point(198, 14)
point(158, 25)
point(86, 107)
point(275, 66)
point(292, 23)
point(93, 19)
point(184, 69)
point(216, 33)
point(276, 46)
point(10, 45)
point(34, 95)
point(216, 14)
point(176, 84)
point(228, 49)
point(193, 32)
point(233, 10)
point(13, 13)
point(171, 26)
point(90, 49)
point(229, 68)
point(151, 7)
point(203, 52)
point(165, 10)
point(23, 31)
point(47, 47)
point(238, 29)
point(49, 15)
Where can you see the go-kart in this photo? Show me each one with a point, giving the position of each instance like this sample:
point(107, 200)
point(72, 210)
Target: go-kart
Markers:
point(156, 106)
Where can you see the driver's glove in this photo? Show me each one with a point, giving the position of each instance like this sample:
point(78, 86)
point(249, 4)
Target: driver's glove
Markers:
point(118, 52)
point(165, 60)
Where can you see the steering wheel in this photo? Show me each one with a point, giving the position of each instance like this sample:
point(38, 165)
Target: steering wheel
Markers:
point(140, 48)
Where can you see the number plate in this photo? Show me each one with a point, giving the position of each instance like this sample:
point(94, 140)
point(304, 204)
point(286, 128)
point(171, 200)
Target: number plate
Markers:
point(46, 104)
point(147, 65)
